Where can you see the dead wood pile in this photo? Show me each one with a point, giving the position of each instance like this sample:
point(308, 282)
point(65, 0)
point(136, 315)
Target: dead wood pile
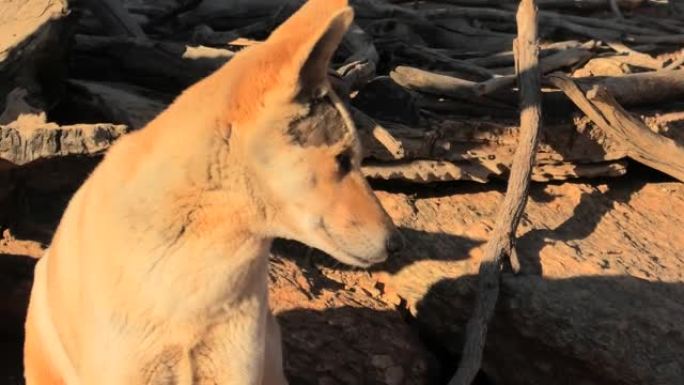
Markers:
point(431, 83)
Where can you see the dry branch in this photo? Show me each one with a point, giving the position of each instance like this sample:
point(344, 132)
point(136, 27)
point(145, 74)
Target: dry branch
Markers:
point(641, 88)
point(642, 144)
point(567, 58)
point(503, 59)
point(501, 243)
point(367, 126)
point(433, 83)
point(444, 85)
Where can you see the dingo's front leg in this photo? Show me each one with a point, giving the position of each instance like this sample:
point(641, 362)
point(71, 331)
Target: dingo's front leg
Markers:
point(38, 365)
point(273, 360)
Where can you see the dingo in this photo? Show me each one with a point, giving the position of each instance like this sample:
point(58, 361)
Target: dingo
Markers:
point(157, 273)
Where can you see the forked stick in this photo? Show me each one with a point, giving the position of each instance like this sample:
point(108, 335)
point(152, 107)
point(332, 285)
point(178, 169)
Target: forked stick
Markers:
point(501, 243)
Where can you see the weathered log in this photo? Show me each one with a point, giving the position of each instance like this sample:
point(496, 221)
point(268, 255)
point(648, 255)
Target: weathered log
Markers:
point(427, 171)
point(433, 83)
point(642, 144)
point(641, 88)
point(20, 145)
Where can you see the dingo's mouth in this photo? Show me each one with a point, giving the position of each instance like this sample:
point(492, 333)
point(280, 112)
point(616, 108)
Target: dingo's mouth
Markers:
point(344, 256)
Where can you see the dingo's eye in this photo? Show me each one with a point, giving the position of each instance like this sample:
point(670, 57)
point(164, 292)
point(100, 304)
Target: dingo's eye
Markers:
point(344, 163)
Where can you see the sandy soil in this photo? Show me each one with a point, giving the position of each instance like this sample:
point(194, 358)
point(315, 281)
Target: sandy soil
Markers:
point(391, 325)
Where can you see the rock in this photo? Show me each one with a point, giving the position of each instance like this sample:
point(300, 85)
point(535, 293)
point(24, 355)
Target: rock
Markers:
point(598, 302)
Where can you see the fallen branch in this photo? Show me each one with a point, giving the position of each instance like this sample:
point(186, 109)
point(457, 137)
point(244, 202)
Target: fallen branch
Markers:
point(548, 64)
point(369, 127)
point(641, 88)
point(453, 87)
point(501, 243)
point(634, 57)
point(642, 144)
point(433, 83)
point(504, 59)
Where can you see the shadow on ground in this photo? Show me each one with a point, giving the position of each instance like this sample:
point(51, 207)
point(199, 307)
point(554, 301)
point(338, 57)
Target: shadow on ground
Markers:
point(589, 329)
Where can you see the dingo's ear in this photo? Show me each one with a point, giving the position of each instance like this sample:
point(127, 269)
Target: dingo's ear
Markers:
point(312, 35)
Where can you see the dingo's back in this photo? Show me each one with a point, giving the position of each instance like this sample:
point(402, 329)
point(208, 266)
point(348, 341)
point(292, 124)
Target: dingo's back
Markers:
point(157, 272)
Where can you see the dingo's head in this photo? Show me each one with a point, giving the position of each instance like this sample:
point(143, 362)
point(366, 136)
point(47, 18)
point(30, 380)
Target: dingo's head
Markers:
point(299, 144)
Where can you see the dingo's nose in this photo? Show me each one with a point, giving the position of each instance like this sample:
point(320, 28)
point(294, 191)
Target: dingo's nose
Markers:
point(395, 242)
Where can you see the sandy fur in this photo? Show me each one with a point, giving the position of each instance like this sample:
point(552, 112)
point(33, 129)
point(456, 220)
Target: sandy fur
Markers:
point(157, 273)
